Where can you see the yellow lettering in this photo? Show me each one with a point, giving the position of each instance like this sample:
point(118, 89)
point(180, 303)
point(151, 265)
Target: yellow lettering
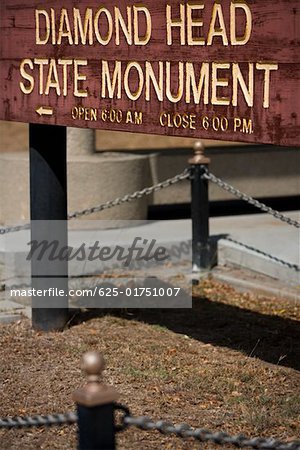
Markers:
point(178, 96)
point(85, 30)
point(94, 114)
point(214, 30)
point(162, 119)
point(180, 23)
point(26, 89)
point(120, 23)
point(129, 117)
point(194, 23)
point(81, 112)
point(65, 63)
point(247, 126)
point(133, 95)
point(52, 82)
point(158, 85)
point(138, 118)
point(41, 62)
point(106, 80)
point(106, 39)
point(77, 78)
point(74, 112)
point(141, 40)
point(53, 26)
point(267, 67)
point(38, 40)
point(237, 124)
point(240, 40)
point(218, 82)
point(191, 83)
point(64, 28)
point(239, 79)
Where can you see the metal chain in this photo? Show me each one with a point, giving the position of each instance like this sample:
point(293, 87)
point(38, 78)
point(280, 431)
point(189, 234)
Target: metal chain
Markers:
point(164, 184)
point(110, 204)
point(260, 252)
point(39, 421)
point(227, 187)
point(203, 435)
point(129, 197)
point(145, 423)
point(14, 228)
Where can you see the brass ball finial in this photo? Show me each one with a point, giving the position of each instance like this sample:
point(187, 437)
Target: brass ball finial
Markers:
point(199, 154)
point(199, 147)
point(94, 392)
point(93, 364)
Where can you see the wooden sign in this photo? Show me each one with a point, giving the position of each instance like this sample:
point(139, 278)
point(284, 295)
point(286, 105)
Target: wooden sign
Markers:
point(225, 70)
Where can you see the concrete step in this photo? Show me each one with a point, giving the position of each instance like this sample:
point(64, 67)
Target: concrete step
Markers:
point(237, 254)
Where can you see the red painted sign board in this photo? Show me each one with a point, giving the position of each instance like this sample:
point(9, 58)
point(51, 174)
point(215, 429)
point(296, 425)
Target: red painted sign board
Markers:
point(225, 70)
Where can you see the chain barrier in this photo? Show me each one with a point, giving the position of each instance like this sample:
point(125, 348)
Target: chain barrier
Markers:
point(241, 196)
point(39, 421)
point(183, 430)
point(203, 435)
point(130, 197)
point(14, 228)
point(110, 204)
point(162, 185)
point(260, 252)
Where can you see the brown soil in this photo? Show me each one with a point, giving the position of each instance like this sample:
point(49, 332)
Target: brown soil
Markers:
point(230, 363)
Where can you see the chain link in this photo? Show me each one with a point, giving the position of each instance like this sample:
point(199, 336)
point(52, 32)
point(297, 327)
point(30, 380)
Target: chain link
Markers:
point(14, 228)
point(162, 185)
point(110, 204)
point(260, 252)
point(130, 197)
point(203, 435)
point(145, 423)
point(39, 421)
point(240, 195)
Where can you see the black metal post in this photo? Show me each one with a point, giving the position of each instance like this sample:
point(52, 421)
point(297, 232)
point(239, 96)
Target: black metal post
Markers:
point(201, 255)
point(96, 427)
point(48, 210)
point(95, 407)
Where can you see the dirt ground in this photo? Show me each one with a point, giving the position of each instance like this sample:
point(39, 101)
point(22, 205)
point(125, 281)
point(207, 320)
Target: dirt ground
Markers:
point(230, 363)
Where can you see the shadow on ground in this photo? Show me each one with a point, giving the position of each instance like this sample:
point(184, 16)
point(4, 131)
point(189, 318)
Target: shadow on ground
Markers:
point(270, 338)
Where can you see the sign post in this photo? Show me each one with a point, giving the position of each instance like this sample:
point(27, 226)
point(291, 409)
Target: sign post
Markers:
point(48, 208)
point(201, 251)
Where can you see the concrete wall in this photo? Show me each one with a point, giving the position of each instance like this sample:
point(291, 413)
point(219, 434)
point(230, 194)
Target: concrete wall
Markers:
point(260, 171)
point(93, 178)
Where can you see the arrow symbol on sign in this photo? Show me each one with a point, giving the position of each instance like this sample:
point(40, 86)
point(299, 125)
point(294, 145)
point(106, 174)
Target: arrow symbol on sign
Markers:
point(44, 111)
